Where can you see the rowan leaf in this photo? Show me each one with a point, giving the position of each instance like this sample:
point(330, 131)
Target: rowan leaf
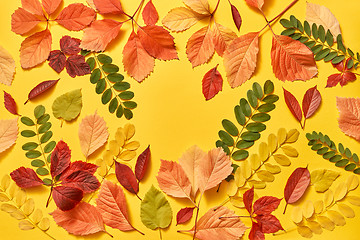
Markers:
point(82, 220)
point(77, 166)
point(240, 58)
point(23, 21)
point(349, 116)
point(149, 14)
point(10, 103)
point(68, 105)
point(26, 178)
point(255, 3)
point(60, 159)
point(291, 60)
point(311, 102)
point(50, 6)
point(212, 83)
point(142, 164)
point(322, 179)
point(41, 88)
point(222, 37)
point(35, 49)
point(293, 105)
point(66, 198)
point(8, 133)
point(346, 210)
point(108, 6)
point(76, 17)
point(57, 60)
point(200, 46)
point(126, 177)
point(308, 209)
point(184, 215)
point(7, 67)
point(199, 6)
point(180, 19)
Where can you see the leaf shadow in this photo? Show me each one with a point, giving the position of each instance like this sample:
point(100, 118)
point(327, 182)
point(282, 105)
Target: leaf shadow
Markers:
point(268, 6)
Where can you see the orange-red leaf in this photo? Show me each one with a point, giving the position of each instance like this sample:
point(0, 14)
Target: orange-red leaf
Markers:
point(184, 215)
point(311, 101)
point(22, 21)
point(66, 198)
point(149, 14)
point(60, 158)
point(126, 177)
point(215, 166)
point(349, 117)
point(212, 83)
point(137, 62)
point(200, 46)
point(81, 179)
point(10, 103)
point(296, 185)
point(50, 6)
point(142, 164)
point(199, 6)
point(35, 49)
point(32, 6)
point(248, 199)
point(26, 178)
point(293, 105)
point(41, 88)
point(292, 60)
point(222, 37)
point(76, 17)
point(173, 180)
point(181, 18)
point(82, 220)
point(240, 58)
point(158, 42)
point(255, 3)
point(99, 34)
point(236, 17)
point(108, 6)
point(8, 133)
point(111, 204)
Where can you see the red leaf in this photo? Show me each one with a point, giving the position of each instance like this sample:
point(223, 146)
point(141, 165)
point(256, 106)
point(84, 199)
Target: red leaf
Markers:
point(69, 45)
point(41, 88)
point(333, 80)
point(142, 163)
point(236, 17)
point(66, 198)
point(82, 220)
point(347, 77)
point(212, 83)
point(50, 6)
point(293, 105)
point(296, 185)
point(76, 17)
point(26, 178)
point(222, 37)
point(184, 215)
point(256, 233)
point(266, 205)
point(57, 60)
point(10, 103)
point(343, 78)
point(248, 198)
point(158, 42)
point(126, 177)
point(200, 46)
point(269, 223)
point(32, 6)
point(60, 158)
point(108, 6)
point(79, 165)
point(22, 21)
point(311, 102)
point(255, 3)
point(82, 180)
point(76, 66)
point(149, 14)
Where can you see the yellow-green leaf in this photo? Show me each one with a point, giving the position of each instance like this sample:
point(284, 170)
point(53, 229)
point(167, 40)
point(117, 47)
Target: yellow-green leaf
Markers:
point(322, 179)
point(352, 182)
point(318, 206)
point(127, 155)
point(308, 209)
point(336, 217)
point(272, 143)
point(237, 201)
point(5, 182)
point(340, 192)
point(305, 231)
point(281, 136)
point(129, 131)
point(68, 105)
point(232, 188)
point(328, 198)
point(292, 136)
point(325, 223)
point(346, 210)
point(274, 169)
point(315, 227)
point(37, 216)
point(263, 152)
point(354, 200)
point(290, 151)
point(282, 159)
point(257, 184)
point(265, 176)
point(29, 206)
point(44, 224)
point(255, 161)
point(246, 169)
point(26, 225)
point(296, 215)
point(120, 136)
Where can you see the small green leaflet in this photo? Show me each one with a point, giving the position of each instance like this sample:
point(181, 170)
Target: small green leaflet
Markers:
point(68, 105)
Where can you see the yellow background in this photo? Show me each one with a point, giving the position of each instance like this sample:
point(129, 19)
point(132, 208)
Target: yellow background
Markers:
point(172, 114)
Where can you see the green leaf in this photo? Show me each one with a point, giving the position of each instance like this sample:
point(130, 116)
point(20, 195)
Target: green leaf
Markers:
point(329, 155)
point(347, 153)
point(340, 43)
point(28, 133)
point(115, 77)
point(355, 158)
point(342, 163)
point(100, 86)
point(310, 44)
point(268, 87)
point(322, 54)
point(314, 30)
point(130, 104)
point(288, 32)
point(245, 107)
point(110, 68)
point(91, 62)
point(335, 158)
point(322, 150)
point(33, 154)
point(39, 111)
point(30, 146)
point(252, 98)
point(316, 146)
point(127, 95)
point(242, 144)
point(303, 39)
point(27, 121)
point(330, 56)
point(350, 64)
point(286, 23)
point(240, 155)
point(84, 52)
point(256, 127)
point(329, 38)
point(271, 98)
point(316, 49)
point(42, 171)
point(240, 117)
point(350, 167)
point(250, 136)
point(128, 114)
point(307, 28)
point(321, 32)
point(341, 148)
point(44, 127)
point(294, 21)
point(104, 59)
point(295, 36)
point(49, 147)
point(300, 26)
point(121, 86)
point(261, 117)
point(267, 107)
point(47, 181)
point(357, 171)
point(338, 59)
point(257, 90)
point(230, 127)
point(226, 138)
point(68, 105)
point(106, 97)
point(113, 105)
point(37, 163)
point(46, 137)
point(119, 111)
point(155, 210)
point(95, 76)
point(43, 119)
point(223, 145)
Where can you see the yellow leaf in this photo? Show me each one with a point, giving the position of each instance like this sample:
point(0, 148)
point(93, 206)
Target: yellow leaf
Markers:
point(239, 179)
point(180, 19)
point(29, 206)
point(282, 159)
point(336, 217)
point(308, 209)
point(354, 200)
point(114, 147)
point(37, 216)
point(199, 6)
point(318, 206)
point(257, 184)
point(7, 67)
point(26, 225)
point(108, 157)
point(290, 151)
point(265, 176)
point(272, 143)
point(20, 198)
point(232, 188)
point(340, 192)
point(281, 136)
point(325, 223)
point(17, 214)
point(44, 224)
point(315, 227)
point(129, 131)
point(328, 198)
point(305, 231)
point(322, 179)
point(4, 198)
point(12, 210)
point(5, 182)
point(263, 152)
point(296, 215)
point(255, 161)
point(112, 177)
point(292, 136)
point(13, 190)
point(127, 155)
point(8, 133)
point(352, 182)
point(237, 201)
point(346, 210)
point(120, 136)
point(134, 145)
point(274, 169)
point(102, 170)
point(246, 169)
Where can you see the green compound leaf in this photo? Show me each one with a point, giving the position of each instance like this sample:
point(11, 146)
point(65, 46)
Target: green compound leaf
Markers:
point(27, 121)
point(43, 119)
point(68, 105)
point(39, 111)
point(28, 133)
point(30, 146)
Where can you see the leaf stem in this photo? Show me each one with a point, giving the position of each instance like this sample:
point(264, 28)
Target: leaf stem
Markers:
point(160, 233)
point(234, 217)
point(285, 208)
point(222, 204)
point(138, 8)
point(49, 198)
point(213, 12)
point(108, 233)
point(138, 196)
point(197, 215)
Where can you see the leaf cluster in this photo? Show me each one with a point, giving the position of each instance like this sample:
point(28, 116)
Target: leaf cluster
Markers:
point(341, 156)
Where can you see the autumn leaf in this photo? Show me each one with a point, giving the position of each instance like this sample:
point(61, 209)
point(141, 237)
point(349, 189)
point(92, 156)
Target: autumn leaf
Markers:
point(8, 133)
point(142, 164)
point(248, 198)
point(222, 37)
point(199, 6)
point(268, 223)
point(77, 66)
point(60, 158)
point(293, 105)
point(23, 21)
point(33, 6)
point(200, 46)
point(265, 205)
point(255, 3)
point(10, 103)
point(7, 67)
point(322, 16)
point(79, 165)
point(108, 6)
point(348, 120)
point(66, 198)
point(126, 178)
point(35, 49)
point(68, 105)
point(149, 14)
point(311, 102)
point(291, 60)
point(344, 77)
point(212, 83)
point(57, 60)
point(240, 58)
point(181, 18)
point(236, 16)
point(76, 17)
point(41, 88)
point(184, 215)
point(100, 34)
point(93, 134)
point(137, 62)
point(69, 45)
point(50, 6)
point(83, 180)
point(80, 221)
point(322, 179)
point(26, 178)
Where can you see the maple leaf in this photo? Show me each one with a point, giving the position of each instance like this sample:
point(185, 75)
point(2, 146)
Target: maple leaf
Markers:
point(26, 178)
point(108, 6)
point(82, 220)
point(77, 66)
point(50, 6)
point(8, 133)
point(60, 158)
point(76, 17)
point(142, 164)
point(57, 60)
point(349, 116)
point(343, 78)
point(240, 58)
point(222, 37)
point(255, 3)
point(10, 103)
point(291, 60)
point(149, 14)
point(23, 21)
point(66, 198)
point(181, 18)
point(69, 45)
point(199, 6)
point(212, 83)
point(200, 46)
point(93, 133)
point(7, 67)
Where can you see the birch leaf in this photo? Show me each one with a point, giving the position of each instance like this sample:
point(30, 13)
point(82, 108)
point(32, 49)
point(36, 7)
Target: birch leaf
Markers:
point(8, 133)
point(7, 67)
point(68, 105)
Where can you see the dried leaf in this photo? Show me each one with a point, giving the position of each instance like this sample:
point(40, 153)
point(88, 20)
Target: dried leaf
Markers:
point(66, 198)
point(76, 17)
point(26, 178)
point(305, 231)
point(349, 116)
point(41, 88)
point(248, 198)
point(340, 192)
point(354, 200)
point(212, 83)
point(265, 205)
point(346, 210)
point(325, 222)
point(290, 151)
point(336, 218)
point(296, 215)
point(311, 102)
point(8, 133)
point(68, 105)
point(81, 179)
point(308, 209)
point(76, 66)
point(222, 37)
point(236, 17)
point(269, 223)
point(322, 179)
point(149, 14)
point(57, 60)
point(23, 21)
point(26, 225)
point(108, 6)
point(352, 182)
point(315, 227)
point(142, 164)
point(184, 215)
point(200, 46)
point(318, 206)
point(69, 45)
point(29, 206)
point(7, 67)
point(292, 136)
point(10, 103)
point(293, 105)
point(328, 198)
point(60, 158)
point(181, 18)
point(199, 6)
point(255, 3)
point(126, 177)
point(32, 6)
point(50, 6)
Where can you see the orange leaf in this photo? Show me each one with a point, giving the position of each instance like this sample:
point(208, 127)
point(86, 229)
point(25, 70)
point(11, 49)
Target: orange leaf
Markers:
point(8, 133)
point(292, 60)
point(108, 6)
point(212, 227)
point(199, 6)
point(50, 6)
point(7, 67)
point(214, 167)
point(212, 83)
point(111, 204)
point(200, 46)
point(35, 49)
point(181, 18)
point(137, 62)
point(158, 42)
point(76, 17)
point(93, 133)
point(22, 21)
point(222, 37)
point(349, 119)
point(32, 6)
point(91, 4)
point(99, 34)
point(173, 181)
point(190, 163)
point(240, 58)
point(82, 220)
point(255, 3)
point(149, 14)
